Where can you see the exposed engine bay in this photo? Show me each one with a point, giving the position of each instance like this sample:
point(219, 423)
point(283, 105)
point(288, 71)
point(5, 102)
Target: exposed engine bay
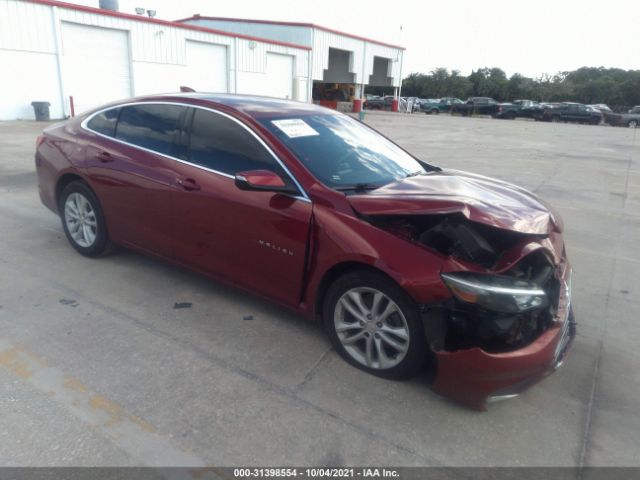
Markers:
point(453, 235)
point(495, 312)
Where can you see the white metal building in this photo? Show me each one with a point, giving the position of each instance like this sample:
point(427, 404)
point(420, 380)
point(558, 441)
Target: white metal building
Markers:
point(336, 57)
point(51, 51)
point(55, 51)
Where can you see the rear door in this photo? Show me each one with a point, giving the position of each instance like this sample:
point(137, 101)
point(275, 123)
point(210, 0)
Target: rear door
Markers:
point(130, 166)
point(255, 239)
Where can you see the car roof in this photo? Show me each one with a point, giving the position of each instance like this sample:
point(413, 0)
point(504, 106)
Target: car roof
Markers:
point(252, 105)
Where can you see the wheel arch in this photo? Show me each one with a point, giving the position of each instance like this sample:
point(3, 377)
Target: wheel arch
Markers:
point(335, 272)
point(65, 180)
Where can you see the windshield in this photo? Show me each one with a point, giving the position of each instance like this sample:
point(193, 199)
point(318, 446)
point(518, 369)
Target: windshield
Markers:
point(343, 153)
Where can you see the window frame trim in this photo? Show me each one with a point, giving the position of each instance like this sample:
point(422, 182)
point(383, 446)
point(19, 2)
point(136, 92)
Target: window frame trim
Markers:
point(115, 127)
point(84, 125)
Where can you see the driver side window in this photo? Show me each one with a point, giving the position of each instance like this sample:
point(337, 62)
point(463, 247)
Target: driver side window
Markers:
point(221, 144)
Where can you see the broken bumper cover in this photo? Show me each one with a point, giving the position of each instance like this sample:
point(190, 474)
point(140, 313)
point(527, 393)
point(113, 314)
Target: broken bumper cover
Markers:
point(474, 377)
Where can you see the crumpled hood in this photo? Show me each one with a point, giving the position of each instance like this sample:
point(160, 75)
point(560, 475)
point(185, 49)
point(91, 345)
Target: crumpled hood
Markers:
point(480, 199)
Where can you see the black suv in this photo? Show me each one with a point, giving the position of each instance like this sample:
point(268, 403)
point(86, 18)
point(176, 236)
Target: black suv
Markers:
point(476, 106)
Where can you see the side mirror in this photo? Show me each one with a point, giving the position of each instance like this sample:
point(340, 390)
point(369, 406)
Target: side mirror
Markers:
point(262, 180)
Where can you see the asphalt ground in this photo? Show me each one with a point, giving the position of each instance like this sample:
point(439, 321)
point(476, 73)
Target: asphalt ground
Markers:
point(97, 367)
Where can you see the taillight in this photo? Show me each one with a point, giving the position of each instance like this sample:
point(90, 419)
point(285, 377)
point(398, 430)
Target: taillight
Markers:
point(39, 141)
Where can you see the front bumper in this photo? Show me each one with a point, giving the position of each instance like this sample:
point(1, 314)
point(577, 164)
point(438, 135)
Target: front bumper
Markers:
point(473, 376)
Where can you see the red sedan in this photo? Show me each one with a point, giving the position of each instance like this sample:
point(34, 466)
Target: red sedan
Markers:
point(407, 265)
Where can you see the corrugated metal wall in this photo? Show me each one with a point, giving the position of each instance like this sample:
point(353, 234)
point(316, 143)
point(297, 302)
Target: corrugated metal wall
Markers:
point(299, 35)
point(26, 26)
point(157, 53)
point(363, 53)
point(320, 40)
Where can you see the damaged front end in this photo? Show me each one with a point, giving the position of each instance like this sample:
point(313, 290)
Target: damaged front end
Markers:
point(508, 322)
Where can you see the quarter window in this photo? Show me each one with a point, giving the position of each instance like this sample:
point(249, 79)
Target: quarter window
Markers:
point(105, 122)
point(220, 144)
point(150, 126)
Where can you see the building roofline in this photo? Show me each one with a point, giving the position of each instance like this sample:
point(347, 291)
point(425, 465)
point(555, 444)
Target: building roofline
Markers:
point(197, 16)
point(166, 23)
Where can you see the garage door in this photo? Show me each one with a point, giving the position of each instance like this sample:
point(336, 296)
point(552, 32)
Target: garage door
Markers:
point(96, 65)
point(279, 75)
point(206, 69)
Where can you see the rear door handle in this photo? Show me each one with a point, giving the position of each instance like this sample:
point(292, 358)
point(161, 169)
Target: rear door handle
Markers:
point(188, 184)
point(104, 157)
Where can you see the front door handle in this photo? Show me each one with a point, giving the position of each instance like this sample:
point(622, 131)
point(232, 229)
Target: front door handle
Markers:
point(104, 157)
point(188, 184)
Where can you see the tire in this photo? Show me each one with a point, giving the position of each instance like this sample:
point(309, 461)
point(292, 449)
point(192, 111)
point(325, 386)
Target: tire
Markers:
point(555, 119)
point(79, 205)
point(392, 333)
point(434, 111)
point(632, 124)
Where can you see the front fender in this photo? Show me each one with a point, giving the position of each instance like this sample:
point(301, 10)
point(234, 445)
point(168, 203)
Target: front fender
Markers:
point(339, 238)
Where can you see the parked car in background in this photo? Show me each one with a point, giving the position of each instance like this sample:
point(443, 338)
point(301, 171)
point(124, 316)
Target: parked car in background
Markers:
point(476, 106)
point(439, 105)
point(378, 103)
point(601, 107)
point(631, 119)
point(572, 112)
point(519, 108)
point(405, 264)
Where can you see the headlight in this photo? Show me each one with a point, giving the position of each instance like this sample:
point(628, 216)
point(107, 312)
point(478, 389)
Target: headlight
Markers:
point(495, 292)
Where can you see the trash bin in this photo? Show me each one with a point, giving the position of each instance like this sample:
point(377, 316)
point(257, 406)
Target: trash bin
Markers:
point(41, 109)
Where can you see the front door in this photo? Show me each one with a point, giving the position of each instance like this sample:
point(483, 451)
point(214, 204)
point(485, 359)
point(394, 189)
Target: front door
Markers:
point(255, 239)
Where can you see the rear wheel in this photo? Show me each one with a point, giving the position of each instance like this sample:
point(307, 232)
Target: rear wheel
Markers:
point(632, 124)
point(82, 220)
point(435, 111)
point(555, 119)
point(375, 326)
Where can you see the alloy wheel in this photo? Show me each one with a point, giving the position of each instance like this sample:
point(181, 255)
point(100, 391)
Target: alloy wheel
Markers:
point(372, 328)
point(81, 220)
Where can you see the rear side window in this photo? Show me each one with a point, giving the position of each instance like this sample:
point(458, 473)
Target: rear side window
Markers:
point(105, 122)
point(221, 144)
point(150, 126)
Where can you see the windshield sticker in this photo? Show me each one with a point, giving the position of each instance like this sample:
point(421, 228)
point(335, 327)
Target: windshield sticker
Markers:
point(295, 127)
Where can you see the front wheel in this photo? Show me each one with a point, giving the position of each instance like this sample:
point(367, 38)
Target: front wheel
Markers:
point(633, 124)
point(375, 326)
point(82, 220)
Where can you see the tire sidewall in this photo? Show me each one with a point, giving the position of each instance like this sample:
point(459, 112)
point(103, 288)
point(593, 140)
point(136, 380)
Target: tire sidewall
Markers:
point(415, 359)
point(102, 239)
